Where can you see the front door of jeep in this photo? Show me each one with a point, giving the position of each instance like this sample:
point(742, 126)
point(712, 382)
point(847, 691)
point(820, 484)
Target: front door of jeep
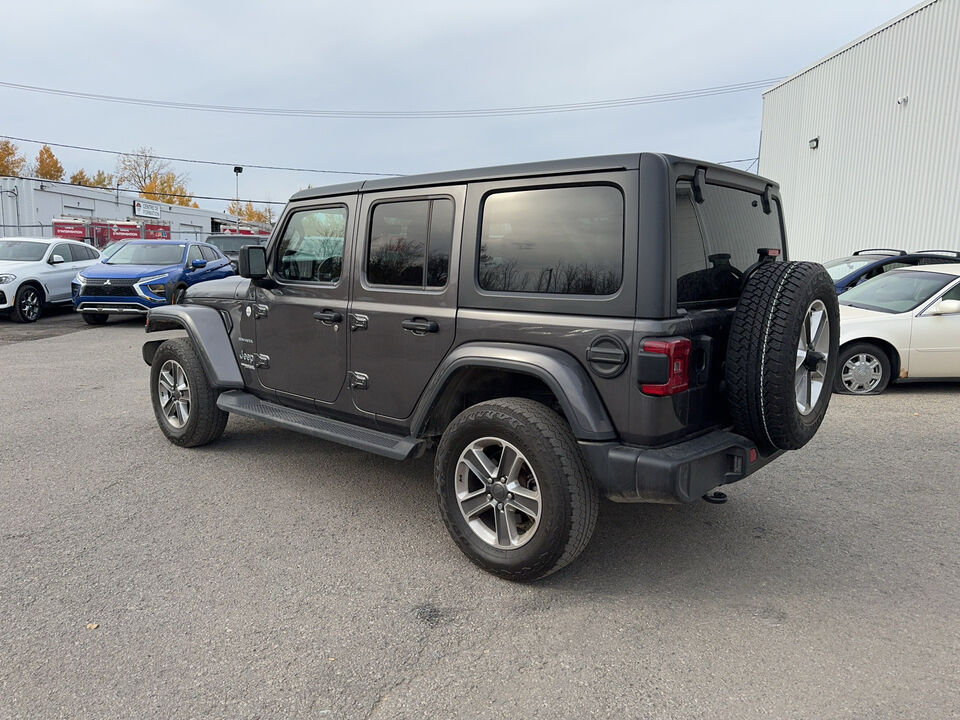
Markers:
point(301, 342)
point(404, 307)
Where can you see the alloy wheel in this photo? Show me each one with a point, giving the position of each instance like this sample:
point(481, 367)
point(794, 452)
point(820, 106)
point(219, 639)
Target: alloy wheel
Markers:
point(173, 390)
point(812, 355)
point(29, 304)
point(498, 493)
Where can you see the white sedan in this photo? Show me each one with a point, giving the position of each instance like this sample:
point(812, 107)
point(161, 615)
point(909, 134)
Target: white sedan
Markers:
point(37, 271)
point(902, 325)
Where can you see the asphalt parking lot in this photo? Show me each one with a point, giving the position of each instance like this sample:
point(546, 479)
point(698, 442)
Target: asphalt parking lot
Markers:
point(274, 575)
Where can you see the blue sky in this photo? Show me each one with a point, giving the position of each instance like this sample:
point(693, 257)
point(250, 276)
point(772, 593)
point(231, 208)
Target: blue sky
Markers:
point(412, 55)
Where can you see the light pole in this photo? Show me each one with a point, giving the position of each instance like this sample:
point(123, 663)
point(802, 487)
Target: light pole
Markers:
point(237, 170)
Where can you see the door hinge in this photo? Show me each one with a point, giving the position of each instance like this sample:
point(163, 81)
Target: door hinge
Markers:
point(359, 322)
point(261, 361)
point(357, 380)
point(260, 311)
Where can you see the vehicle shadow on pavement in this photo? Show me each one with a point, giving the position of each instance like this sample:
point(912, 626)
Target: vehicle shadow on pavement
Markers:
point(636, 548)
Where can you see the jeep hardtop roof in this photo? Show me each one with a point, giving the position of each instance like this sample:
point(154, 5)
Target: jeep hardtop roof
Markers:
point(599, 163)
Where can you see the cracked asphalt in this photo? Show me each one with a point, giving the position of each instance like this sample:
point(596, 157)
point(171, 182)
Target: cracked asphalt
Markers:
point(275, 575)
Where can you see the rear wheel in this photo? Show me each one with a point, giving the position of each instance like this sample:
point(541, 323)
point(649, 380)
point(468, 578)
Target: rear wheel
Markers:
point(513, 489)
point(184, 403)
point(94, 318)
point(864, 370)
point(27, 304)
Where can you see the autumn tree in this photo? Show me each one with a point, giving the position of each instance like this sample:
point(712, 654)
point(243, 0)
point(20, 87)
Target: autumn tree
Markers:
point(249, 213)
point(102, 179)
point(11, 161)
point(167, 187)
point(46, 166)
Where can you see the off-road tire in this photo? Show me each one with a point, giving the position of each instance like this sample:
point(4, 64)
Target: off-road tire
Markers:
point(762, 355)
point(569, 495)
point(863, 349)
point(205, 422)
point(94, 318)
point(20, 314)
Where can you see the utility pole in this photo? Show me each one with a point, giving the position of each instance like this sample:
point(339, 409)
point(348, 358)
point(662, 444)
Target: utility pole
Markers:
point(237, 170)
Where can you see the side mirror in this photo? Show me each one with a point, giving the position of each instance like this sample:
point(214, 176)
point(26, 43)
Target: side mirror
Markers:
point(198, 263)
point(946, 307)
point(56, 259)
point(252, 262)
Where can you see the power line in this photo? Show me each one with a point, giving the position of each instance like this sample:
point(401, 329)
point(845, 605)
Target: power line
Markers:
point(156, 196)
point(408, 114)
point(198, 162)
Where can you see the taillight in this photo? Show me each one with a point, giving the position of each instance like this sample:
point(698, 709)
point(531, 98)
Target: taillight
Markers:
point(677, 356)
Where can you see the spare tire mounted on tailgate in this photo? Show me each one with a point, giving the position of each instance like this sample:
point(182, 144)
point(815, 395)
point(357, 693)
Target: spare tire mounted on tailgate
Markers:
point(782, 354)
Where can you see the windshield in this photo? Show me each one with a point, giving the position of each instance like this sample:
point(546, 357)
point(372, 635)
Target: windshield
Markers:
point(838, 269)
point(895, 292)
point(232, 243)
point(148, 254)
point(24, 250)
point(110, 249)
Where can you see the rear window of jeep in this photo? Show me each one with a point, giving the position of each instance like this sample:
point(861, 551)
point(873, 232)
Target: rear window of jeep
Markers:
point(716, 240)
point(565, 240)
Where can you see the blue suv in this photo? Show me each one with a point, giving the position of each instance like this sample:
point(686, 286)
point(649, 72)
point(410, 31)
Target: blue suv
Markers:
point(144, 274)
point(866, 264)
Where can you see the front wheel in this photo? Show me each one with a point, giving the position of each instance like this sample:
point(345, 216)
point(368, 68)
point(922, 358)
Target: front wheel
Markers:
point(864, 370)
point(27, 304)
point(184, 403)
point(513, 489)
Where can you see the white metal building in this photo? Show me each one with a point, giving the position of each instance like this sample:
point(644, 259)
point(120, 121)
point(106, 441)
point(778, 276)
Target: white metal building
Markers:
point(865, 143)
point(33, 207)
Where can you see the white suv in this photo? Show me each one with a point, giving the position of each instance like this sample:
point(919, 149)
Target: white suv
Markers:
point(35, 271)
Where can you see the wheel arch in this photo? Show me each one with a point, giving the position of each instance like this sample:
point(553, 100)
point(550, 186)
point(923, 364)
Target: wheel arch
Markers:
point(893, 355)
point(206, 329)
point(476, 372)
point(34, 283)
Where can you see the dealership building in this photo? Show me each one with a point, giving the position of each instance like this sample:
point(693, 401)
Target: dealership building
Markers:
point(865, 143)
point(42, 208)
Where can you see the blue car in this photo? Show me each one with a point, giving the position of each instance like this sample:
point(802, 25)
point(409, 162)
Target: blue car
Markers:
point(144, 274)
point(865, 264)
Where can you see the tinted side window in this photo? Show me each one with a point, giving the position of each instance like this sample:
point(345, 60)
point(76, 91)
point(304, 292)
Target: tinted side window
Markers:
point(209, 254)
point(410, 243)
point(717, 239)
point(311, 249)
point(194, 254)
point(555, 240)
point(952, 294)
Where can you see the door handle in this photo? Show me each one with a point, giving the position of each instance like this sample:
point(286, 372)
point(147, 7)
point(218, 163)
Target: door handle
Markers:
point(420, 326)
point(328, 316)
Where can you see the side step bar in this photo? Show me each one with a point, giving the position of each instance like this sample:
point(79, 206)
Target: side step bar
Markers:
point(395, 447)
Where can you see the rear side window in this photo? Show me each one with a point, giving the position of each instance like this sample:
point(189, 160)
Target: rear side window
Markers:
point(716, 240)
point(410, 243)
point(566, 241)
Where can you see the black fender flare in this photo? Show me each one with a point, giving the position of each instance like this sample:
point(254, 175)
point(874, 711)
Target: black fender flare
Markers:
point(205, 327)
point(560, 371)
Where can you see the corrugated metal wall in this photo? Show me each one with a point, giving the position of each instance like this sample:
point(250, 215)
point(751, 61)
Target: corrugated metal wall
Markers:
point(884, 174)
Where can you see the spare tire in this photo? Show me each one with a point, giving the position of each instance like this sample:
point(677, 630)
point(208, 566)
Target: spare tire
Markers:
point(782, 354)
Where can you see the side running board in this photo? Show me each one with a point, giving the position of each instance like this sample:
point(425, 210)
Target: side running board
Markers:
point(395, 447)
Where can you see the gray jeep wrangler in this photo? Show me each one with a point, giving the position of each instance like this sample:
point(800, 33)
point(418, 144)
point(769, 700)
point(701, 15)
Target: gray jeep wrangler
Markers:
point(624, 327)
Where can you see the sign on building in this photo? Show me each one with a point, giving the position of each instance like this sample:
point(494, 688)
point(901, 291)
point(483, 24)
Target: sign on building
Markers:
point(142, 208)
point(73, 229)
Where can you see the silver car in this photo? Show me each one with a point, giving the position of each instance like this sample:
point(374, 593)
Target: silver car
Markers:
point(38, 271)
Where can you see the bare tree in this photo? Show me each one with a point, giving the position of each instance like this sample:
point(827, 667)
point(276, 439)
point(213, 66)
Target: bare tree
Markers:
point(141, 168)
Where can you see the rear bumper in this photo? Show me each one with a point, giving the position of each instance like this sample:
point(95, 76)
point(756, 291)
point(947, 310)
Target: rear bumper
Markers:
point(679, 473)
